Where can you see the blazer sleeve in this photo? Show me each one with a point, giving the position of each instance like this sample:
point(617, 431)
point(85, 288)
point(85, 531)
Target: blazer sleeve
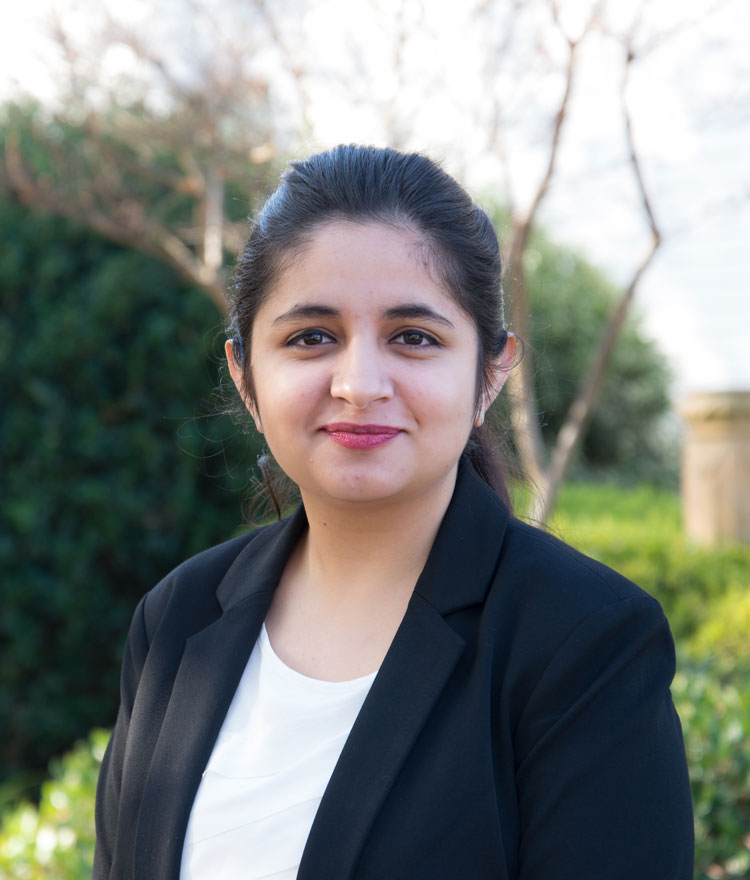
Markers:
point(110, 775)
point(601, 769)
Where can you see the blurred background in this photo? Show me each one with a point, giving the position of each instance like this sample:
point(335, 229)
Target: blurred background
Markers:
point(609, 141)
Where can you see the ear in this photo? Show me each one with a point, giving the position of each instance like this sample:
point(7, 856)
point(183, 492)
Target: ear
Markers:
point(500, 372)
point(235, 371)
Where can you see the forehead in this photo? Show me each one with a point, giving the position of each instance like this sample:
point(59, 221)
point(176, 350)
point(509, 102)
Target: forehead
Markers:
point(350, 264)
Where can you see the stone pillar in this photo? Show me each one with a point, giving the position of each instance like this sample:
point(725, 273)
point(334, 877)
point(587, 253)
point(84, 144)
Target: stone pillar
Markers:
point(716, 466)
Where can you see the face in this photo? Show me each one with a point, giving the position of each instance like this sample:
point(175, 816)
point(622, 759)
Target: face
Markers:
point(364, 369)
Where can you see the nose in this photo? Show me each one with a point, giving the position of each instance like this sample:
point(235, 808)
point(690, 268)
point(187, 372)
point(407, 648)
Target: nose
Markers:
point(360, 375)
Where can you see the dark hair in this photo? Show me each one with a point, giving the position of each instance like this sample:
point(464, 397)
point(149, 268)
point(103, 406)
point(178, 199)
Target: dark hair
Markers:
point(406, 190)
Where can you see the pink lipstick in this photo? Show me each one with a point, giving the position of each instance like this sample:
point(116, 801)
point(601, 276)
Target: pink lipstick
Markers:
point(355, 436)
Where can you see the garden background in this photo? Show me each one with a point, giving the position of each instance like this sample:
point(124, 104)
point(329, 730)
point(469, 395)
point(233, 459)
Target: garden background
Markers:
point(122, 204)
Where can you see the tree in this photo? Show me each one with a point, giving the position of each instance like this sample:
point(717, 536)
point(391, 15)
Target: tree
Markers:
point(160, 159)
point(546, 472)
point(570, 304)
point(531, 56)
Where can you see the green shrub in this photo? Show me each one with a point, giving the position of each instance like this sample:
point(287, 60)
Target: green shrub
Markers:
point(56, 839)
point(716, 724)
point(571, 301)
point(639, 533)
point(724, 636)
point(112, 474)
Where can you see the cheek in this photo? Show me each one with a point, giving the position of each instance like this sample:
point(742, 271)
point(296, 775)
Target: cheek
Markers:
point(446, 398)
point(286, 396)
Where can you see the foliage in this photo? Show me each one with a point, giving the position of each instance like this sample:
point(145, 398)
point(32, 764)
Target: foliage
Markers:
point(639, 533)
point(716, 722)
point(129, 158)
point(169, 178)
point(56, 838)
point(570, 304)
point(724, 636)
point(111, 473)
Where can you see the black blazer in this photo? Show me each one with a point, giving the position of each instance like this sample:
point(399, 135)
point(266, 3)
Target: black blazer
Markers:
point(520, 725)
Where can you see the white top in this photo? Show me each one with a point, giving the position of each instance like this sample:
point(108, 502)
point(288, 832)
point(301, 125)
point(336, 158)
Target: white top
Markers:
point(270, 765)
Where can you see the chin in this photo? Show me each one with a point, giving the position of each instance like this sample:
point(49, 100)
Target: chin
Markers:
point(362, 492)
point(356, 487)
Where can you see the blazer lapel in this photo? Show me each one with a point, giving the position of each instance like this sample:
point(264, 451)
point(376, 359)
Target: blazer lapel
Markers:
point(211, 667)
point(416, 669)
point(209, 671)
point(414, 672)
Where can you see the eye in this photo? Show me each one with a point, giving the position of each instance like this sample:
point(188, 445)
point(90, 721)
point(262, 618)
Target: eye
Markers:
point(309, 339)
point(415, 339)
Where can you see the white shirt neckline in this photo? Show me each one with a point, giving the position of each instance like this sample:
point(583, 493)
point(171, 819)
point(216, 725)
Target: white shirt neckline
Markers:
point(268, 770)
point(306, 680)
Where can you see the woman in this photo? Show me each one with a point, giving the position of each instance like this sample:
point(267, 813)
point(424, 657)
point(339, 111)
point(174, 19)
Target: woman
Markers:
point(400, 680)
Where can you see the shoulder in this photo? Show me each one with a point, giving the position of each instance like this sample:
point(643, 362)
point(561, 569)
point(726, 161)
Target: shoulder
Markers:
point(584, 669)
point(554, 600)
point(196, 579)
point(551, 571)
point(572, 632)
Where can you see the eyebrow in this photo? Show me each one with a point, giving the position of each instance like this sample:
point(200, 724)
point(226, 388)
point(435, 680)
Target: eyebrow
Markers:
point(297, 313)
point(417, 311)
point(406, 311)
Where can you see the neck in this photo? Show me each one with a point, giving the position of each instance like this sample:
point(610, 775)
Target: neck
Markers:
point(368, 549)
point(347, 585)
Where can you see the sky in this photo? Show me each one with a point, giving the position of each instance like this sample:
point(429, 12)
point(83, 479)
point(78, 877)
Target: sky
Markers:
point(689, 98)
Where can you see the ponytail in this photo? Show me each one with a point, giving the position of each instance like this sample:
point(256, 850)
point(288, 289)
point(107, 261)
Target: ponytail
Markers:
point(482, 450)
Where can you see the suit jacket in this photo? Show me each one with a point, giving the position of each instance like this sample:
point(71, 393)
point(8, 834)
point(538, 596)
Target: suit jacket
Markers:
point(520, 726)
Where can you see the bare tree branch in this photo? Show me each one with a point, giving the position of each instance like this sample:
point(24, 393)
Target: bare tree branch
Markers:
point(150, 179)
point(524, 407)
point(571, 433)
point(125, 223)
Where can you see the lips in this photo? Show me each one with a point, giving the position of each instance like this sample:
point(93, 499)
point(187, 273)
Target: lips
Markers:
point(355, 436)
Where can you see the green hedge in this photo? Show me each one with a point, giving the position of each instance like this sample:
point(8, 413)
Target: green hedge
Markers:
point(639, 533)
point(112, 473)
point(715, 718)
point(723, 637)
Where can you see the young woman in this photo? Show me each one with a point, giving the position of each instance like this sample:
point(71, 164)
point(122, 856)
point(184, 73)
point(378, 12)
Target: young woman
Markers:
point(399, 680)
